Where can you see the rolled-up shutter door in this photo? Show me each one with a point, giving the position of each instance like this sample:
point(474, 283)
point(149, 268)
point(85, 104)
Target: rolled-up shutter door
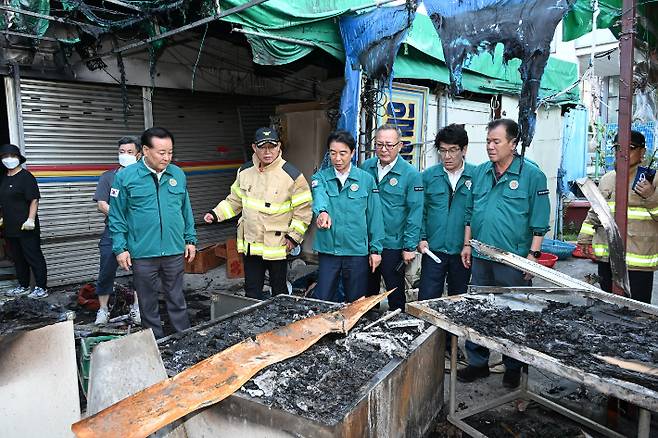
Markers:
point(71, 130)
point(208, 146)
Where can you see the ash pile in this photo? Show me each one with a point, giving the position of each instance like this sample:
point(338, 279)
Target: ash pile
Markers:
point(573, 334)
point(323, 383)
point(23, 314)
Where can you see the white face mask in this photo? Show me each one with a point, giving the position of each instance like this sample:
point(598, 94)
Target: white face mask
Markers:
point(126, 159)
point(11, 162)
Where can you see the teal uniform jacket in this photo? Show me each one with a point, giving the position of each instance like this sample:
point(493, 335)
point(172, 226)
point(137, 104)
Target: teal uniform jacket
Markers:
point(508, 214)
point(444, 214)
point(147, 218)
point(401, 196)
point(357, 228)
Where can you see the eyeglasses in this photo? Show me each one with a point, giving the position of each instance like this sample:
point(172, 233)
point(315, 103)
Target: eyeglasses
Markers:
point(449, 152)
point(380, 146)
point(630, 146)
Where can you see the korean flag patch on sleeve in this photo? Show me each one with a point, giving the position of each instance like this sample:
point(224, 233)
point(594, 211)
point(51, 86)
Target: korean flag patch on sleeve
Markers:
point(114, 192)
point(314, 183)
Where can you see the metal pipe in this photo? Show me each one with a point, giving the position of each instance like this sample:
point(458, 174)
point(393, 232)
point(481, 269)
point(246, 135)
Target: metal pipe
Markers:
point(626, 48)
point(147, 103)
point(644, 424)
point(125, 5)
point(190, 26)
point(384, 318)
point(274, 37)
point(453, 374)
point(599, 428)
point(27, 35)
point(44, 17)
point(16, 76)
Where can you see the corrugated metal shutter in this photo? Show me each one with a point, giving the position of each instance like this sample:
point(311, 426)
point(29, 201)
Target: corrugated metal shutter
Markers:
point(206, 128)
point(73, 125)
point(254, 115)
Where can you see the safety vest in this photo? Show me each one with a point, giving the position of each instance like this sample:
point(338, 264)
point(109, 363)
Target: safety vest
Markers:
point(642, 234)
point(275, 202)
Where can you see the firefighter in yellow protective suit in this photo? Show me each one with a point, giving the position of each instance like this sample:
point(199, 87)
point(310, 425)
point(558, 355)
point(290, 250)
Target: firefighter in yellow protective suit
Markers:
point(642, 234)
point(275, 201)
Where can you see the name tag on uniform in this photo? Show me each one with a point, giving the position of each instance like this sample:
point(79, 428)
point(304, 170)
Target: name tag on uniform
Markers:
point(542, 192)
point(418, 189)
point(114, 192)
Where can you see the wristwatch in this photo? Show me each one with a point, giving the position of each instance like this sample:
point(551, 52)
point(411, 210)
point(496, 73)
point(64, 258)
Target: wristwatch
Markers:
point(535, 254)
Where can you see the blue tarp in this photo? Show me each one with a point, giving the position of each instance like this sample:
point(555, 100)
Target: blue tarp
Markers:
point(371, 41)
point(574, 148)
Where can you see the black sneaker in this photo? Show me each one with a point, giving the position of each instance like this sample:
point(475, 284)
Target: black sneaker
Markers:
point(471, 373)
point(511, 378)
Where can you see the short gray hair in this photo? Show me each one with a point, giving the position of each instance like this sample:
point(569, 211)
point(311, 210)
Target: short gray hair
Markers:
point(389, 127)
point(128, 140)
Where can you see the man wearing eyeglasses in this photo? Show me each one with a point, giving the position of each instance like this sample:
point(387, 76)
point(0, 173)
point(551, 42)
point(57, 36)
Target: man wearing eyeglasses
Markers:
point(275, 201)
point(401, 195)
point(447, 195)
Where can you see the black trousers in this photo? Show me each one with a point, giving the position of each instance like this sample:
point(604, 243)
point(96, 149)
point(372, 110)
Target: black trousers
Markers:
point(148, 276)
point(391, 259)
point(352, 271)
point(254, 276)
point(26, 252)
point(433, 276)
point(641, 282)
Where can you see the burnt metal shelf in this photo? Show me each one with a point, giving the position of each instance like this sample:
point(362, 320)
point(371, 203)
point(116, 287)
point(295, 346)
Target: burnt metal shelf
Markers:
point(530, 298)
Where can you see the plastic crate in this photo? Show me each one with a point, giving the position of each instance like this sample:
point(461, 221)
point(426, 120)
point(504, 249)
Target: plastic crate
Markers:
point(86, 347)
point(557, 247)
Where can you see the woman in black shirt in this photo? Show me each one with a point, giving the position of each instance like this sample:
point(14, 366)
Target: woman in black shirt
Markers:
point(19, 200)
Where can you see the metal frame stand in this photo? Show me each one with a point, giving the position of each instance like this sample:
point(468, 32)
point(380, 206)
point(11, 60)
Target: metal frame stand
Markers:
point(523, 393)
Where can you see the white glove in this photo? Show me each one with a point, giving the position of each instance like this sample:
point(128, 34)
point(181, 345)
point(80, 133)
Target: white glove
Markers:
point(2, 221)
point(28, 225)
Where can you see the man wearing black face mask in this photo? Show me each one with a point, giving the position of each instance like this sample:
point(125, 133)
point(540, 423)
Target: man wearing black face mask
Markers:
point(19, 200)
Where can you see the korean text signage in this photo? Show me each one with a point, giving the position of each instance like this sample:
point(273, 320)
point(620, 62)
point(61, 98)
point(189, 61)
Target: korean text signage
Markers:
point(407, 111)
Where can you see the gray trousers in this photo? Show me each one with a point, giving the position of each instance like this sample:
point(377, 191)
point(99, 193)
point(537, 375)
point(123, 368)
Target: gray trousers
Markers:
point(148, 275)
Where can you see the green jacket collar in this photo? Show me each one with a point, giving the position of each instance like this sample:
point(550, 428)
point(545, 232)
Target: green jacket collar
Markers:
point(143, 170)
point(352, 175)
point(398, 168)
point(514, 168)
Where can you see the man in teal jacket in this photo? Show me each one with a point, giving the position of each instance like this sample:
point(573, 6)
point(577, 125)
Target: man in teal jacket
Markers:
point(510, 210)
point(401, 195)
point(152, 229)
point(349, 219)
point(447, 195)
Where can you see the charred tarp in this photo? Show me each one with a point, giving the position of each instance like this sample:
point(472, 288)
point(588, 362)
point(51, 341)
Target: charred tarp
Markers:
point(525, 28)
point(371, 40)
